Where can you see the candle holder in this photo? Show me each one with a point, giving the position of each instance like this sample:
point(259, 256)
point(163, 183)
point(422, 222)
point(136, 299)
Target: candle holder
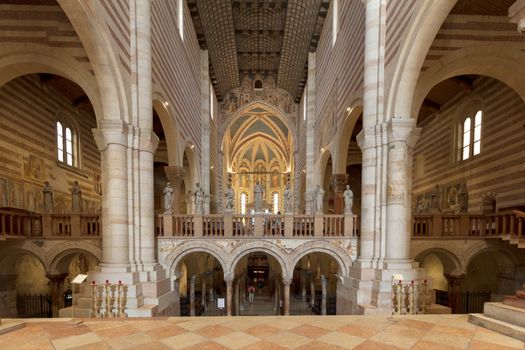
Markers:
point(95, 305)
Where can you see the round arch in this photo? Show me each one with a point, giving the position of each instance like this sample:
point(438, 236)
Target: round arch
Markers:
point(10, 257)
point(266, 247)
point(169, 125)
point(173, 260)
point(321, 167)
point(192, 164)
point(57, 261)
point(345, 134)
point(416, 42)
point(264, 105)
point(338, 254)
point(451, 263)
point(511, 259)
point(43, 60)
point(498, 62)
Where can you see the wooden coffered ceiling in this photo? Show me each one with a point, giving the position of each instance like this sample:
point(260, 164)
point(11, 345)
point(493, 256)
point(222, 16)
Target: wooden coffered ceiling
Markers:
point(266, 37)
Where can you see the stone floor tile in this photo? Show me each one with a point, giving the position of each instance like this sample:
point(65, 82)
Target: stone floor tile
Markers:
point(358, 331)
point(394, 339)
point(214, 331)
point(309, 331)
point(264, 345)
point(93, 346)
point(208, 345)
point(319, 345)
point(487, 336)
point(479, 345)
point(426, 345)
point(372, 345)
point(126, 341)
point(75, 341)
point(288, 340)
point(236, 340)
point(123, 329)
point(183, 340)
point(341, 339)
point(262, 331)
point(284, 324)
point(166, 331)
point(330, 322)
point(243, 323)
point(418, 324)
point(155, 345)
point(460, 331)
point(405, 331)
point(453, 341)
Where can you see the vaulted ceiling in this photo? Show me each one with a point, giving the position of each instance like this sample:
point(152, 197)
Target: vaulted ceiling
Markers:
point(266, 37)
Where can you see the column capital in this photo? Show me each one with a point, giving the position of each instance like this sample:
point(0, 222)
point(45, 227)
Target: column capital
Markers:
point(403, 130)
point(111, 132)
point(175, 174)
point(367, 138)
point(517, 14)
point(339, 182)
point(287, 280)
point(148, 141)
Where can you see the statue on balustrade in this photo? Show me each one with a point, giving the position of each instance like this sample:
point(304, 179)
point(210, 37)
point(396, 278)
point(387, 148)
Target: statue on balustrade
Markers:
point(48, 198)
point(318, 199)
point(288, 200)
point(199, 199)
point(230, 195)
point(349, 200)
point(76, 198)
point(168, 198)
point(258, 195)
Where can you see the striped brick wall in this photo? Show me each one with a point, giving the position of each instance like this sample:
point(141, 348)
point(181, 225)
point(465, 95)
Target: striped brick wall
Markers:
point(28, 116)
point(43, 24)
point(176, 67)
point(117, 17)
point(398, 17)
point(339, 69)
point(500, 167)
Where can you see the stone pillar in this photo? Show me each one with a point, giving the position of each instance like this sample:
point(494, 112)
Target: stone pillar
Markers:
point(303, 280)
point(312, 291)
point(111, 140)
point(310, 91)
point(175, 175)
point(229, 296)
point(8, 303)
point(339, 182)
point(228, 223)
point(205, 127)
point(237, 298)
point(402, 138)
point(192, 295)
point(324, 285)
point(56, 282)
point(286, 295)
point(203, 292)
point(454, 289)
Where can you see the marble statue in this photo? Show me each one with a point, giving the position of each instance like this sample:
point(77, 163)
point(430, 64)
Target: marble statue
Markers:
point(288, 199)
point(257, 195)
point(349, 200)
point(76, 198)
point(199, 199)
point(230, 195)
point(318, 199)
point(168, 198)
point(48, 198)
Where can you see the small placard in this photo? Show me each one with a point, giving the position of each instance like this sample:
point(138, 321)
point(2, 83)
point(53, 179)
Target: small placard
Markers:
point(220, 303)
point(79, 279)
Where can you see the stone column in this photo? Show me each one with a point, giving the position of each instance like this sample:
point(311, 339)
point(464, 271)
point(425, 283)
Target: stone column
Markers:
point(229, 295)
point(203, 292)
point(402, 137)
point(454, 289)
point(324, 284)
point(192, 295)
point(312, 291)
point(175, 176)
point(111, 140)
point(310, 132)
point(8, 304)
point(56, 282)
point(205, 127)
point(237, 298)
point(286, 295)
point(303, 285)
point(339, 182)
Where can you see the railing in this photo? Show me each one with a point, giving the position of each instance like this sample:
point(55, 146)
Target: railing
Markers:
point(243, 225)
point(333, 225)
point(274, 226)
point(22, 224)
point(303, 226)
point(213, 225)
point(183, 225)
point(507, 225)
point(61, 225)
point(90, 225)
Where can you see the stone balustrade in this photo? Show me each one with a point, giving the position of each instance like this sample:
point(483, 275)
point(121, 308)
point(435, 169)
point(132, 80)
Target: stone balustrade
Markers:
point(258, 225)
point(507, 225)
point(19, 223)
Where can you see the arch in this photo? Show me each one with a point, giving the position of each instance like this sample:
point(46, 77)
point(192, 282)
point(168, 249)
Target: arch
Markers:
point(192, 164)
point(264, 105)
point(451, 263)
point(344, 136)
point(416, 43)
point(169, 125)
point(338, 254)
point(269, 248)
point(43, 60)
point(56, 262)
point(173, 259)
point(321, 167)
point(10, 256)
point(511, 259)
point(498, 62)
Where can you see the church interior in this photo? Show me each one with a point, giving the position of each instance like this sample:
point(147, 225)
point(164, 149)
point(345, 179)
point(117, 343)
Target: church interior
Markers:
point(199, 158)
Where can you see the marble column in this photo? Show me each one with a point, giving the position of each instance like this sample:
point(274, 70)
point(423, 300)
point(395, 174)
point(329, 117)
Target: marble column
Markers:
point(192, 295)
point(339, 182)
point(402, 137)
point(56, 282)
point(237, 297)
point(203, 292)
point(304, 280)
point(229, 296)
point(310, 132)
point(175, 176)
point(111, 139)
point(286, 295)
point(324, 285)
point(312, 291)
point(205, 128)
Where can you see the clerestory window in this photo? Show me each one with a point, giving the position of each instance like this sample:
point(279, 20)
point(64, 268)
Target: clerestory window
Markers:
point(66, 140)
point(471, 136)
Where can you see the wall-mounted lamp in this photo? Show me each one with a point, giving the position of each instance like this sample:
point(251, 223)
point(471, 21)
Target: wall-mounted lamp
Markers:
point(192, 146)
point(348, 109)
point(165, 103)
point(323, 149)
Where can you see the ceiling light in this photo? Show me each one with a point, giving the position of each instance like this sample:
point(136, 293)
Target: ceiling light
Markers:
point(348, 109)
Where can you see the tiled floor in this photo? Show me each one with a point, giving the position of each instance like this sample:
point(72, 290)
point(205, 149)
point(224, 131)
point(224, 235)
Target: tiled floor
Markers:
point(272, 332)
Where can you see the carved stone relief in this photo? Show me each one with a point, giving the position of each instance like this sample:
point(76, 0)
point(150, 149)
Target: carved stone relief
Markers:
point(446, 199)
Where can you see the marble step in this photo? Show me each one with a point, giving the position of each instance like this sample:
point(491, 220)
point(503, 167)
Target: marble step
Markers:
point(495, 325)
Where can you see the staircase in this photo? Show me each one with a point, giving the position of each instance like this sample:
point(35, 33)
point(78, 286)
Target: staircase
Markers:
point(82, 307)
point(263, 303)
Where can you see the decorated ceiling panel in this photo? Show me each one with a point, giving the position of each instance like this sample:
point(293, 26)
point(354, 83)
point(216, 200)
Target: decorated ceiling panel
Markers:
point(258, 37)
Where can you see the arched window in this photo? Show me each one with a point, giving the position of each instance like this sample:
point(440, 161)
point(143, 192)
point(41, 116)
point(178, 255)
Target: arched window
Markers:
point(471, 138)
point(180, 10)
point(243, 203)
point(65, 144)
point(335, 21)
point(275, 202)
